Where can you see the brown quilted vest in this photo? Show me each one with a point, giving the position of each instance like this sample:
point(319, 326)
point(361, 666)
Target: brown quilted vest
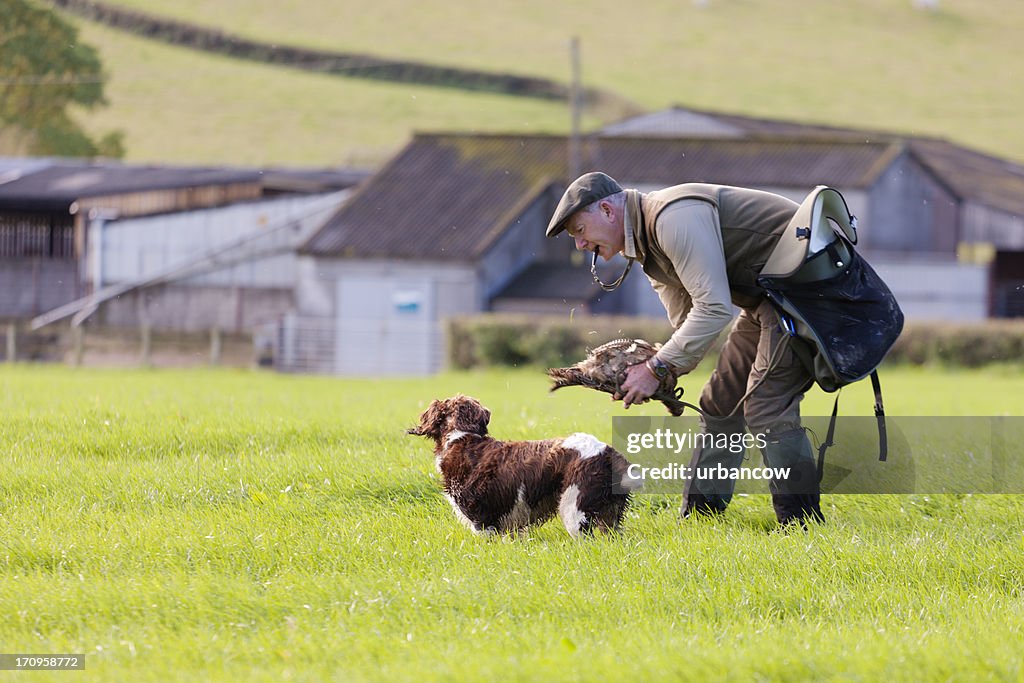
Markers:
point(751, 222)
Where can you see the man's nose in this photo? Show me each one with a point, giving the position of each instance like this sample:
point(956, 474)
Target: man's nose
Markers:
point(579, 242)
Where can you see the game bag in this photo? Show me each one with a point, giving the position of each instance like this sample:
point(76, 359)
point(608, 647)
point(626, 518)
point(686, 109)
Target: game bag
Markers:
point(828, 296)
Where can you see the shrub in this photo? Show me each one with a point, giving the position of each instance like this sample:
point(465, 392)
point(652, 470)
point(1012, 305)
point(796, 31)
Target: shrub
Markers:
point(967, 345)
point(495, 339)
point(511, 339)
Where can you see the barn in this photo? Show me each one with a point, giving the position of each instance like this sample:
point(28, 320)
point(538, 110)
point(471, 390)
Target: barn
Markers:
point(454, 225)
point(353, 274)
point(179, 247)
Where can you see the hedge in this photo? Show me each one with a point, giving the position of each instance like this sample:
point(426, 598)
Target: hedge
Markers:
point(967, 345)
point(493, 339)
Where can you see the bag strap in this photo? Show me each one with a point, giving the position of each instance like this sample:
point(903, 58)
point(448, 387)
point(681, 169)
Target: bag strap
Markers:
point(883, 435)
point(828, 439)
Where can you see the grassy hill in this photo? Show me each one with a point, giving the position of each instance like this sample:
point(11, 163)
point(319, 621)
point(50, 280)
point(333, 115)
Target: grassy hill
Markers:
point(183, 106)
point(871, 63)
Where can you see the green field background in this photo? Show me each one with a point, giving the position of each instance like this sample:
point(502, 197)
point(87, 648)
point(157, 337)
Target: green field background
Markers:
point(219, 525)
point(882, 64)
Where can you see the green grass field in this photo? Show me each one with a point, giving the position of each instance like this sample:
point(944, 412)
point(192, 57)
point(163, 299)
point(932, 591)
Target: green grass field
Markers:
point(218, 525)
point(864, 63)
point(176, 105)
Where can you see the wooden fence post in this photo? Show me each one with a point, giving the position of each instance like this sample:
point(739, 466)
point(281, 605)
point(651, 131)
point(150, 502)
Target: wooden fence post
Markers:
point(77, 345)
point(12, 342)
point(147, 344)
point(215, 346)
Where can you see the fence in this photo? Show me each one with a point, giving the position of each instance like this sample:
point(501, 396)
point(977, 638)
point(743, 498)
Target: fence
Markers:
point(304, 344)
point(141, 346)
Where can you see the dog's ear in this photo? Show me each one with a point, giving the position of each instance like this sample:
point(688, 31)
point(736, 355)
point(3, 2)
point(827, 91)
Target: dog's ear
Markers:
point(431, 421)
point(469, 415)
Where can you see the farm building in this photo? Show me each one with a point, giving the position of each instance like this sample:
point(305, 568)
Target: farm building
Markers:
point(359, 278)
point(963, 266)
point(178, 248)
point(455, 223)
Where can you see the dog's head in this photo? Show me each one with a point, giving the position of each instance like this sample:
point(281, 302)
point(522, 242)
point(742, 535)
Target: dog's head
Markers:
point(456, 414)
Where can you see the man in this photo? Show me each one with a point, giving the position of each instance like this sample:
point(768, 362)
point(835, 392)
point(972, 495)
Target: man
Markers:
point(702, 247)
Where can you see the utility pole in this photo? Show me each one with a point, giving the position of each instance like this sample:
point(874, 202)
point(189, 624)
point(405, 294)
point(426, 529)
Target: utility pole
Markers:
point(575, 108)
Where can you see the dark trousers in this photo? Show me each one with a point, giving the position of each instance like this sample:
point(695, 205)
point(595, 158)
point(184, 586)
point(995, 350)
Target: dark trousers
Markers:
point(757, 354)
point(753, 341)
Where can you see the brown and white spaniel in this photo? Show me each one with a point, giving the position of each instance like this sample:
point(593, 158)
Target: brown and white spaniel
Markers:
point(502, 486)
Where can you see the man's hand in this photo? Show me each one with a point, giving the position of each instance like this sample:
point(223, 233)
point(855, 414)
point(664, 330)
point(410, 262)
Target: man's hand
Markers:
point(638, 386)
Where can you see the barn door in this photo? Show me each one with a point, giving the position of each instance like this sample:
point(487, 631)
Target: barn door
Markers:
point(385, 325)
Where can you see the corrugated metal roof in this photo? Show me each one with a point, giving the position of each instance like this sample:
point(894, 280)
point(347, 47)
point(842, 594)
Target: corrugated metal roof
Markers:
point(442, 197)
point(12, 168)
point(994, 182)
point(758, 162)
point(311, 180)
point(55, 187)
point(969, 174)
point(446, 196)
point(47, 184)
point(675, 122)
point(690, 122)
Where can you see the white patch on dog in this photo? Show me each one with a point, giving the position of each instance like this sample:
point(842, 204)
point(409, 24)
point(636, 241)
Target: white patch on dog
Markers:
point(466, 521)
point(632, 348)
point(585, 444)
point(569, 510)
point(519, 516)
point(453, 437)
point(448, 441)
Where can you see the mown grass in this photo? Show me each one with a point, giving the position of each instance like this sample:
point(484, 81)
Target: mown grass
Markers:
point(213, 525)
point(865, 63)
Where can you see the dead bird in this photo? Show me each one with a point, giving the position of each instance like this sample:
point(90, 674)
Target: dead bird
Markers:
point(604, 369)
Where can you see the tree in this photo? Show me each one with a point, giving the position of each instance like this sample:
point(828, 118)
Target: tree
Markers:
point(44, 70)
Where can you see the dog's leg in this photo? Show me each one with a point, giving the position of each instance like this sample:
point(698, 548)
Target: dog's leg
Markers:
point(609, 517)
point(574, 519)
point(596, 494)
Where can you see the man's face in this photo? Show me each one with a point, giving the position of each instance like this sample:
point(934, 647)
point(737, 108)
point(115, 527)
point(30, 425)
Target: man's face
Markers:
point(598, 230)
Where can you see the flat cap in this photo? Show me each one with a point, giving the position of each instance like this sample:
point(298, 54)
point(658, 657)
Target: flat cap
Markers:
point(586, 189)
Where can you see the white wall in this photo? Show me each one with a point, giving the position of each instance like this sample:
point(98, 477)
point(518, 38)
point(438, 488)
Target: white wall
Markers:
point(926, 289)
point(986, 225)
point(123, 250)
point(384, 317)
point(936, 290)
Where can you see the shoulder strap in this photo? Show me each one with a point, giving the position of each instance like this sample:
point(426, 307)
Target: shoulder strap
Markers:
point(883, 436)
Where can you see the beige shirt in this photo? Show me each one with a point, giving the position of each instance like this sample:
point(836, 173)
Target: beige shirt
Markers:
point(689, 234)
